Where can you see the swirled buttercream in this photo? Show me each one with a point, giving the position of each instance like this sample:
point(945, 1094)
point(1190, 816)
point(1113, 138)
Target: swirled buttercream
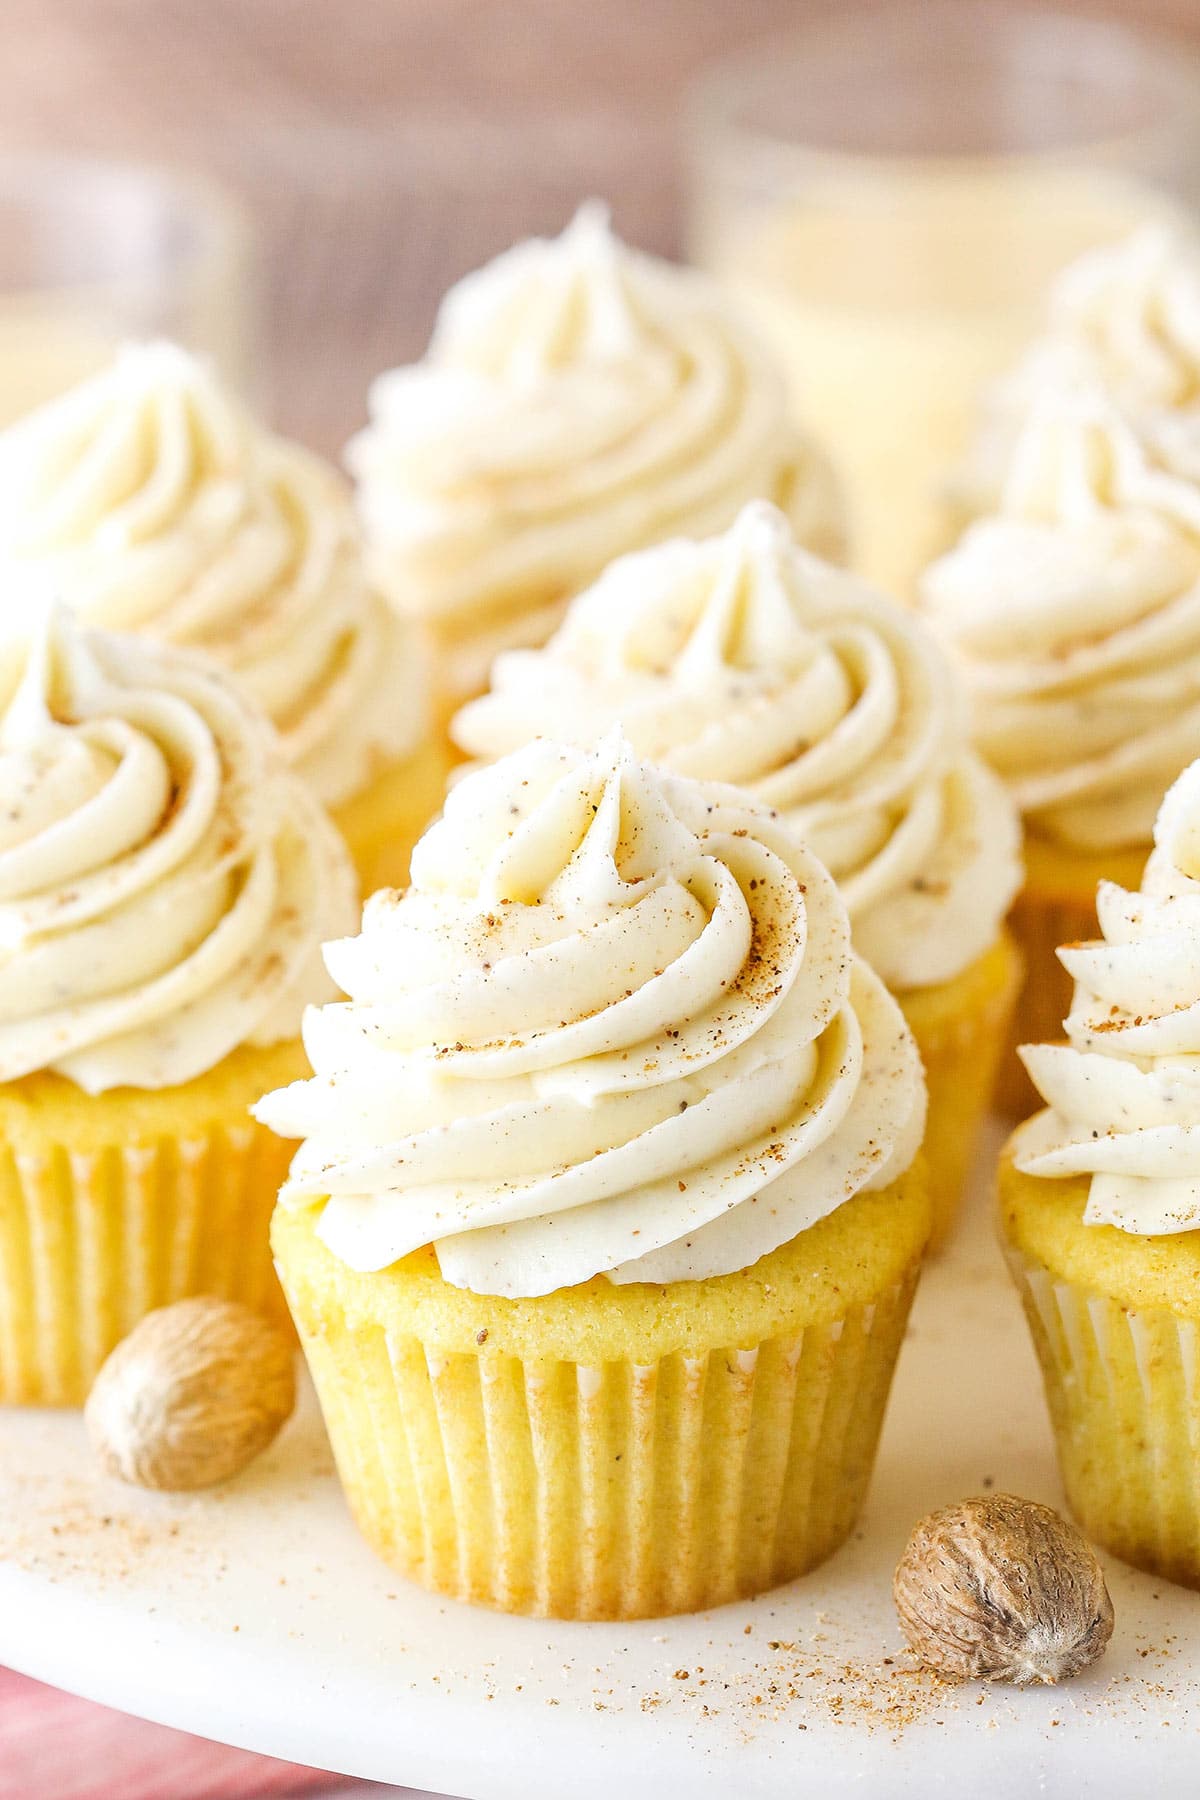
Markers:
point(746, 660)
point(149, 502)
point(1124, 1093)
point(613, 1027)
point(1074, 615)
point(1124, 317)
point(577, 401)
point(165, 880)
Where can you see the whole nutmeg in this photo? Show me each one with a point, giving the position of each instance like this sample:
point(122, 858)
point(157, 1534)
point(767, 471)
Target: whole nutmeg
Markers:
point(1003, 1589)
point(192, 1395)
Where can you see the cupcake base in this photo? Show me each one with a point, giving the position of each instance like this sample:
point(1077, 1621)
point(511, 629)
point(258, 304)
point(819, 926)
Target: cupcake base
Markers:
point(383, 822)
point(1057, 906)
point(612, 1452)
point(961, 1028)
point(1115, 1321)
point(114, 1204)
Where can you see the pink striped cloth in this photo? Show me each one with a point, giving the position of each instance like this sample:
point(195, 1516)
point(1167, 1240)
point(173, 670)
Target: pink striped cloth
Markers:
point(54, 1747)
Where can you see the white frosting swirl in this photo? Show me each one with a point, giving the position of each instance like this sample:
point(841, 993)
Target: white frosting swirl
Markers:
point(1125, 317)
point(614, 1027)
point(1074, 614)
point(577, 401)
point(148, 501)
point(1124, 1093)
point(165, 880)
point(744, 659)
point(1132, 312)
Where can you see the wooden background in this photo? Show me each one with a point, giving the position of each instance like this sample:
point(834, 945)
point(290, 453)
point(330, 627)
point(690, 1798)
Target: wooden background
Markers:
point(386, 146)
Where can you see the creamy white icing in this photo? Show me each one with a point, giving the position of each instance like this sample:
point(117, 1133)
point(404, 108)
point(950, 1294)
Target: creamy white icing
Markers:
point(1074, 615)
point(745, 659)
point(613, 1027)
point(149, 501)
point(165, 880)
point(577, 401)
point(1124, 1093)
point(1126, 317)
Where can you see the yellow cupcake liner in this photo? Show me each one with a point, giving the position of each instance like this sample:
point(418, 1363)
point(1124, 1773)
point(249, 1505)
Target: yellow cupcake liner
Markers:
point(961, 1028)
point(1057, 906)
point(93, 1236)
point(1123, 1389)
point(618, 1489)
point(619, 1492)
point(383, 822)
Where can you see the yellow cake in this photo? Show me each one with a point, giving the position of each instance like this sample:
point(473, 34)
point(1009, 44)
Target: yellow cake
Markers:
point(744, 659)
point(383, 822)
point(166, 883)
point(577, 401)
point(614, 1341)
point(961, 1027)
point(148, 500)
point(612, 1452)
point(1100, 1211)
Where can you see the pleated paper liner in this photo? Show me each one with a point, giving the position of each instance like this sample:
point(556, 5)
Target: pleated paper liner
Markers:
point(112, 1205)
point(1123, 1388)
point(611, 1487)
point(961, 1028)
point(1114, 1322)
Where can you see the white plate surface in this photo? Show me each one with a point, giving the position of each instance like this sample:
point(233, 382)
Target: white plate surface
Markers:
point(255, 1615)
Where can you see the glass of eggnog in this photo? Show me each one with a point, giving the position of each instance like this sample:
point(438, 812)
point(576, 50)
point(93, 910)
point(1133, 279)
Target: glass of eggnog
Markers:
point(890, 194)
point(93, 252)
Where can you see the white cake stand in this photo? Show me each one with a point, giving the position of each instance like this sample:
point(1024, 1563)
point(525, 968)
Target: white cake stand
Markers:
point(256, 1616)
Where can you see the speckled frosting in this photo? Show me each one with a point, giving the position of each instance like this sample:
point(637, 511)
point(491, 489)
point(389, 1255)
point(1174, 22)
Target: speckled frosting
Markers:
point(614, 1027)
point(577, 401)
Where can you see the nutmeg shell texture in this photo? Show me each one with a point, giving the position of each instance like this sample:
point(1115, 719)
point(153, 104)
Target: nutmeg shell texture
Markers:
point(1002, 1589)
point(193, 1394)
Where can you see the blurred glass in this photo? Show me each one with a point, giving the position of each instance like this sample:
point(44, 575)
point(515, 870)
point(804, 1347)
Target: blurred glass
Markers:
point(94, 252)
point(891, 193)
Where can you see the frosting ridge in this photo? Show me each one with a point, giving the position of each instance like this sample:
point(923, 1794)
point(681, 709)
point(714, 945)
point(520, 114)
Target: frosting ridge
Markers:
point(1124, 317)
point(577, 400)
point(1074, 615)
point(613, 1027)
point(148, 500)
point(744, 659)
point(1123, 1094)
point(165, 881)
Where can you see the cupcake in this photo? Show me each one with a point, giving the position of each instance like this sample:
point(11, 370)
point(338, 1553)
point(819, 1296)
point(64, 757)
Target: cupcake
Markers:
point(604, 1234)
point(1100, 1196)
point(150, 502)
point(1125, 317)
point(744, 659)
point(1073, 614)
point(165, 883)
point(577, 400)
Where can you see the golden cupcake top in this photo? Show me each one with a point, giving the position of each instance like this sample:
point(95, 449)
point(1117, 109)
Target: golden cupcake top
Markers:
point(577, 400)
point(1073, 614)
point(165, 880)
point(1123, 1093)
point(149, 501)
point(745, 659)
point(614, 1027)
point(1124, 317)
